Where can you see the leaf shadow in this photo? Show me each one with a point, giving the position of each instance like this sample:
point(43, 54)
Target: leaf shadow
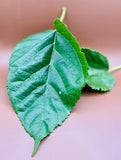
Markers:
point(88, 91)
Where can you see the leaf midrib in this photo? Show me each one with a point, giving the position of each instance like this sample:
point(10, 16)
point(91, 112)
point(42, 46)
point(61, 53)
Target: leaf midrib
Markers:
point(42, 119)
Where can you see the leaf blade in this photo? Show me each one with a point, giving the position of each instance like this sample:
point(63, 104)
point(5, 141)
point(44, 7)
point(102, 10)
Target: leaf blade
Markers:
point(96, 61)
point(43, 83)
point(103, 81)
point(98, 76)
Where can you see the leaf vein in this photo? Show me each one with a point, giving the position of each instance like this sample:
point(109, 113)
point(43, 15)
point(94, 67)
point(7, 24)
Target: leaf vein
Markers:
point(32, 48)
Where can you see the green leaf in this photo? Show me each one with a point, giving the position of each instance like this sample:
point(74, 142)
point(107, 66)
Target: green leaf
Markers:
point(46, 74)
point(96, 61)
point(98, 76)
point(101, 80)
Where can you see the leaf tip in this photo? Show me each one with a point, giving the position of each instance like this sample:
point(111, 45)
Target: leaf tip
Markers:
point(36, 144)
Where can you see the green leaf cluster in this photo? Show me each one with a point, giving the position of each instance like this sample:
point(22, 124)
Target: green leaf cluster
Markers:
point(47, 72)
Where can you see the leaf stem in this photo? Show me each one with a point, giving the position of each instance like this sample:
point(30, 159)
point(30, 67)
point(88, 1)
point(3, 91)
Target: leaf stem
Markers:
point(63, 14)
point(114, 69)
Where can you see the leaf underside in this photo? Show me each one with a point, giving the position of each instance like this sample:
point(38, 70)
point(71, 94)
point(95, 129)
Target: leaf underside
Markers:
point(103, 81)
point(46, 74)
point(98, 76)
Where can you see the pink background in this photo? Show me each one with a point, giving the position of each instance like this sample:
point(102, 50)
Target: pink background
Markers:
point(93, 130)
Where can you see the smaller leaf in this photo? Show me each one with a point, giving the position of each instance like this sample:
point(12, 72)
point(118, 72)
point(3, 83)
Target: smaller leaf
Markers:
point(98, 76)
point(96, 61)
point(103, 81)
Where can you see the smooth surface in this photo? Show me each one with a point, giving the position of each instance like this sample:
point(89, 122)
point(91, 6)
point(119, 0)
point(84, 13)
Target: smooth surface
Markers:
point(93, 130)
